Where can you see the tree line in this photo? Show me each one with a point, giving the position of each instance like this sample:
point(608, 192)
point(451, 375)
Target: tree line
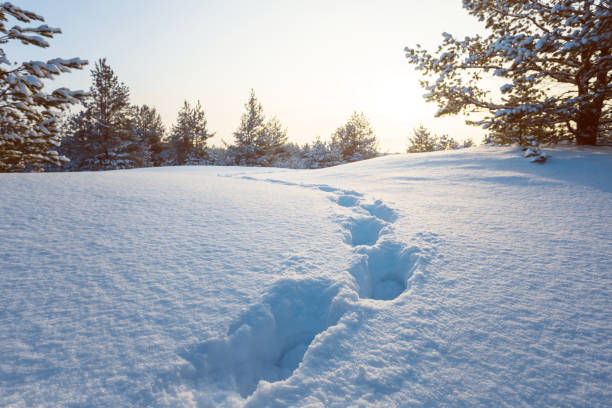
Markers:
point(110, 133)
point(37, 132)
point(553, 58)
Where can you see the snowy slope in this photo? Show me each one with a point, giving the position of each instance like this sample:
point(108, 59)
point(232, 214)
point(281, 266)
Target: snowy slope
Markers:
point(466, 278)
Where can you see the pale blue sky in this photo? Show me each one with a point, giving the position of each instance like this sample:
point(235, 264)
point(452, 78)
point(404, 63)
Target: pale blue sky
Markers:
point(311, 63)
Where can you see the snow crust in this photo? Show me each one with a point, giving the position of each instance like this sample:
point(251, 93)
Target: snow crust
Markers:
point(458, 278)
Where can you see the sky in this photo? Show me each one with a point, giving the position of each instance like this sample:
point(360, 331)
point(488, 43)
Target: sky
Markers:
point(311, 63)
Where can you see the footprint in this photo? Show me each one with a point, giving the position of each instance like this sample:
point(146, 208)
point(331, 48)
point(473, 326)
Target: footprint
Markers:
point(284, 183)
point(329, 189)
point(346, 200)
point(383, 270)
point(380, 210)
point(268, 341)
point(364, 231)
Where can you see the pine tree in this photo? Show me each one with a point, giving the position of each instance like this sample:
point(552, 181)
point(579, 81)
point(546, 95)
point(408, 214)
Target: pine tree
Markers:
point(355, 140)
point(257, 142)
point(321, 154)
point(104, 136)
point(467, 143)
point(555, 57)
point(76, 144)
point(189, 135)
point(422, 141)
point(446, 142)
point(271, 143)
point(252, 126)
point(30, 118)
point(292, 156)
point(150, 129)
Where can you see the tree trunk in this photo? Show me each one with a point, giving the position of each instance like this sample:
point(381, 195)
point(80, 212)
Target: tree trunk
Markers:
point(587, 123)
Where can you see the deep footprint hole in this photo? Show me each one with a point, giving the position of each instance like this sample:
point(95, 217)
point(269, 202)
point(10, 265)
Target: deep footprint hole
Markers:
point(364, 231)
point(380, 210)
point(383, 271)
point(347, 201)
point(388, 289)
point(269, 341)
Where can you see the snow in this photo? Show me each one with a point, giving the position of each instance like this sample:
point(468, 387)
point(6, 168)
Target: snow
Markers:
point(459, 278)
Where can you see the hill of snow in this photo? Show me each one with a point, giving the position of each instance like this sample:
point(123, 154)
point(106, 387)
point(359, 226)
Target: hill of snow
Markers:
point(463, 278)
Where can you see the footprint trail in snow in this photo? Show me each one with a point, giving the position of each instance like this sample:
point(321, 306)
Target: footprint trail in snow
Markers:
point(269, 341)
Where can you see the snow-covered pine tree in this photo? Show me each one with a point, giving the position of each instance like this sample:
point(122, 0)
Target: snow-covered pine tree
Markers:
point(554, 57)
point(291, 156)
point(257, 142)
point(321, 154)
point(104, 136)
point(446, 142)
point(252, 126)
point(467, 143)
point(150, 129)
point(271, 143)
point(29, 117)
point(355, 140)
point(189, 135)
point(422, 141)
point(75, 144)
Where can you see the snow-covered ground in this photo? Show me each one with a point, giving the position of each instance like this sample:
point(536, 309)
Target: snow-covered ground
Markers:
point(466, 278)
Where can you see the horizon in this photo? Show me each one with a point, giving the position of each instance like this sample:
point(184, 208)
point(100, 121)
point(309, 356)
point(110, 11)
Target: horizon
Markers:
point(306, 62)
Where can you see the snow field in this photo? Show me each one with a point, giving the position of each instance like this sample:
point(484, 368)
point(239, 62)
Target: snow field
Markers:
point(106, 276)
point(469, 278)
point(269, 341)
point(507, 307)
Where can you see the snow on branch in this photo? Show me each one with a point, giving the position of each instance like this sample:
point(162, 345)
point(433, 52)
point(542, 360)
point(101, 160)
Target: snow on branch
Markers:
point(556, 57)
point(29, 117)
